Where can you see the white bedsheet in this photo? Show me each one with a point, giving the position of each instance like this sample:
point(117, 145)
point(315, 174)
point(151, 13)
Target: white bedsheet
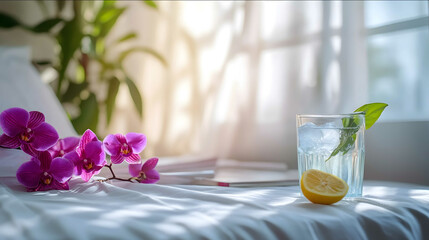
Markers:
point(123, 210)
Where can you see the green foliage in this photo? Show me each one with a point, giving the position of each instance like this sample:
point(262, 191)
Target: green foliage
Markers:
point(127, 37)
point(69, 39)
point(105, 21)
point(111, 97)
point(151, 4)
point(372, 112)
point(348, 135)
point(46, 25)
point(149, 51)
point(81, 41)
point(73, 91)
point(88, 117)
point(136, 96)
point(7, 21)
point(60, 5)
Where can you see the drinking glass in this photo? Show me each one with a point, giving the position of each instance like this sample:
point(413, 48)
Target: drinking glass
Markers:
point(333, 144)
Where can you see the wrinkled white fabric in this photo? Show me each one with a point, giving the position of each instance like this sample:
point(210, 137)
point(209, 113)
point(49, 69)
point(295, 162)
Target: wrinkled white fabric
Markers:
point(10, 160)
point(123, 210)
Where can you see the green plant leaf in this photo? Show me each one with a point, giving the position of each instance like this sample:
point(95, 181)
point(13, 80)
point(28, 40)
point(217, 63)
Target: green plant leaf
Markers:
point(106, 20)
point(347, 139)
point(107, 6)
point(107, 65)
point(73, 91)
point(100, 47)
point(46, 25)
point(151, 4)
point(109, 3)
point(69, 39)
point(346, 142)
point(149, 51)
point(136, 96)
point(348, 134)
point(372, 112)
point(112, 92)
point(41, 62)
point(60, 5)
point(7, 21)
point(43, 7)
point(126, 37)
point(88, 118)
point(106, 68)
point(108, 14)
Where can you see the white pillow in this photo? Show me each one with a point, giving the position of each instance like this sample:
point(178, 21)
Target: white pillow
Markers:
point(21, 86)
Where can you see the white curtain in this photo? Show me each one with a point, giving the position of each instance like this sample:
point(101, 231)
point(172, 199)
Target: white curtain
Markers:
point(239, 72)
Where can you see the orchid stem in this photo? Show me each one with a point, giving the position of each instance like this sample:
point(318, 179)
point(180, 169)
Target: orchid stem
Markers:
point(109, 166)
point(120, 179)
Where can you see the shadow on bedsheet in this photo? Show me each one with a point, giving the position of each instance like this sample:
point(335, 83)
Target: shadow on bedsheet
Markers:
point(183, 212)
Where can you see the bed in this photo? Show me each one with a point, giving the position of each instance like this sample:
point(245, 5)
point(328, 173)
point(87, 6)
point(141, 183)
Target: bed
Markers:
point(121, 210)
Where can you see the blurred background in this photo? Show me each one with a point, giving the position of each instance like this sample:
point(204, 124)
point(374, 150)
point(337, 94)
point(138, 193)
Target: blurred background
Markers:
point(226, 78)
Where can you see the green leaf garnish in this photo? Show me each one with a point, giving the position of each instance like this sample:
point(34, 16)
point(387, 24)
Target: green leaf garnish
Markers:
point(348, 134)
point(372, 112)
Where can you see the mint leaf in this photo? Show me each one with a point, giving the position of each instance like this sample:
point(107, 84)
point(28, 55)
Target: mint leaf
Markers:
point(348, 134)
point(372, 112)
point(347, 139)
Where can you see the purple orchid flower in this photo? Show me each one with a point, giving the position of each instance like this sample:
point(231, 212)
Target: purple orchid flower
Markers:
point(89, 156)
point(43, 173)
point(27, 130)
point(126, 148)
point(146, 172)
point(64, 146)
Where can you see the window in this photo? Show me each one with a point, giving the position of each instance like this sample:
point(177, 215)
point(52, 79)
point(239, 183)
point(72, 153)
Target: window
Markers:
point(398, 57)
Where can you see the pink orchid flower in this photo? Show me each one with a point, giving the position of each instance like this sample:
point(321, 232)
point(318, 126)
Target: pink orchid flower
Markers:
point(126, 148)
point(27, 130)
point(89, 157)
point(43, 173)
point(146, 172)
point(64, 146)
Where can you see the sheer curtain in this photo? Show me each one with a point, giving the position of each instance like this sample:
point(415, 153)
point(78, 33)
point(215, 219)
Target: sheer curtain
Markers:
point(239, 72)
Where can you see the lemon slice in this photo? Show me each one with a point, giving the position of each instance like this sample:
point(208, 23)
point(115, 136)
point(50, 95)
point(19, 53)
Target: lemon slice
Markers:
point(323, 188)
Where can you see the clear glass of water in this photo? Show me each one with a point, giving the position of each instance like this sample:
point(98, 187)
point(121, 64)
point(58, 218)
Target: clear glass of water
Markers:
point(333, 144)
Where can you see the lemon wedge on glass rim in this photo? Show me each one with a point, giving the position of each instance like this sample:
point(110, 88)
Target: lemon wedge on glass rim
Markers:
point(322, 188)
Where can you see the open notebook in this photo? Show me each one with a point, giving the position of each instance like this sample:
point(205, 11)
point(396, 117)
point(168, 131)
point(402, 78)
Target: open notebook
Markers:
point(206, 170)
point(229, 173)
point(289, 178)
